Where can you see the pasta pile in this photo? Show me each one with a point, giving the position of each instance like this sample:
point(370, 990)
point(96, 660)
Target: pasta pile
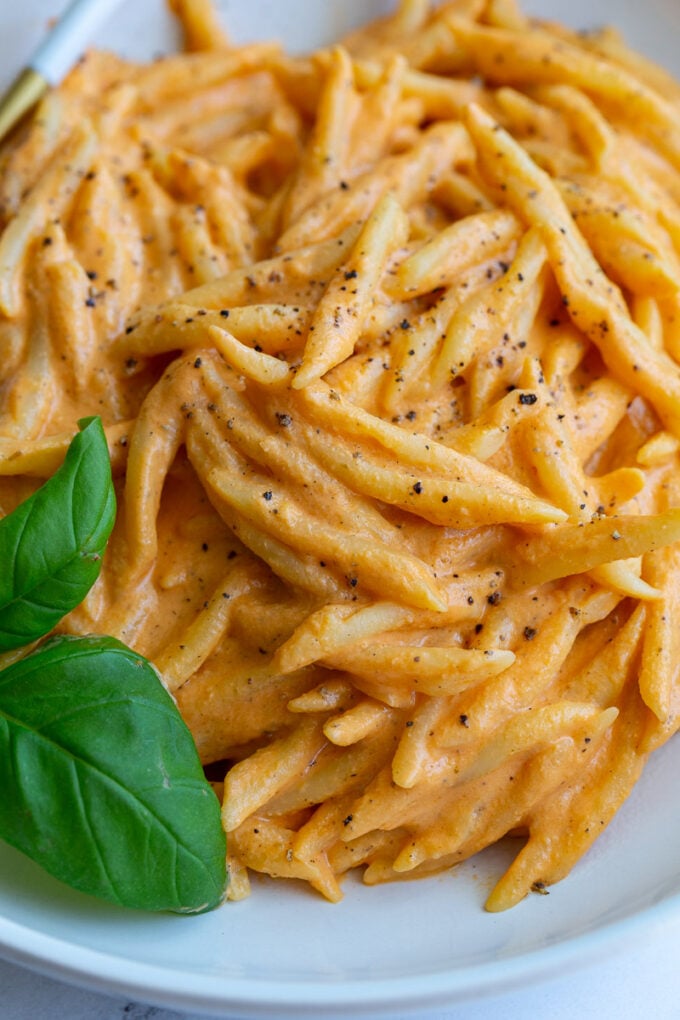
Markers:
point(386, 343)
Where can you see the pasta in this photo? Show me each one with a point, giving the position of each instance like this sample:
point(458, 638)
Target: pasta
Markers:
point(386, 343)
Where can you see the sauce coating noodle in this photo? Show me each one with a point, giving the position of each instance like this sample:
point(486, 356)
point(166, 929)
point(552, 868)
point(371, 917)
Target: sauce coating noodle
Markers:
point(386, 343)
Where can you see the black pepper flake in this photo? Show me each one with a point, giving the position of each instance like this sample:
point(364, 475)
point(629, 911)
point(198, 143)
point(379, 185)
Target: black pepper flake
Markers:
point(530, 633)
point(463, 720)
point(347, 820)
point(90, 302)
point(494, 598)
point(527, 398)
point(197, 363)
point(268, 495)
point(539, 887)
point(418, 488)
point(224, 312)
point(479, 627)
point(284, 419)
point(405, 324)
point(351, 274)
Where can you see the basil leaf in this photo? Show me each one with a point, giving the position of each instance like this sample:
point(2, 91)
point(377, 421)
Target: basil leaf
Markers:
point(101, 781)
point(51, 545)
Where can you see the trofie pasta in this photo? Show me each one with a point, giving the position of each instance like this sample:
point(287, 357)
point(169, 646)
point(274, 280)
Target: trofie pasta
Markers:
point(386, 343)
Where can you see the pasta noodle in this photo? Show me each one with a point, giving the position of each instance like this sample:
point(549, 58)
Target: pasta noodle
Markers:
point(385, 340)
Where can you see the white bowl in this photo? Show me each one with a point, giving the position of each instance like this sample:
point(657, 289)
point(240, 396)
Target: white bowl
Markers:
point(411, 945)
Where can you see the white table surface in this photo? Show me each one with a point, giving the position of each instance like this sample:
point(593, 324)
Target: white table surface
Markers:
point(642, 980)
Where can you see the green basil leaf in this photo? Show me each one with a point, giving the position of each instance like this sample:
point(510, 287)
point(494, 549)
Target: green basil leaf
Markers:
point(101, 781)
point(51, 545)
